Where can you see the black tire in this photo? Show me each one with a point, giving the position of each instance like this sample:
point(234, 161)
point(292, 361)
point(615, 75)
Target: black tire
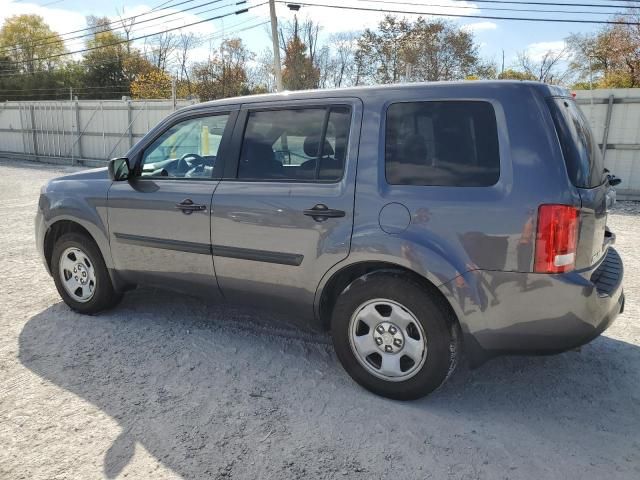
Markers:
point(104, 296)
point(435, 317)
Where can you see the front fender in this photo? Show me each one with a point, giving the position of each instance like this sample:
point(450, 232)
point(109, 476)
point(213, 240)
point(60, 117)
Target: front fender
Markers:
point(80, 202)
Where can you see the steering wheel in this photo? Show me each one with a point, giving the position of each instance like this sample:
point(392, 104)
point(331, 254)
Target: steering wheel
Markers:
point(184, 165)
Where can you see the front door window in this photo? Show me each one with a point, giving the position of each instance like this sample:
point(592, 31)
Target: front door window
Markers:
point(188, 149)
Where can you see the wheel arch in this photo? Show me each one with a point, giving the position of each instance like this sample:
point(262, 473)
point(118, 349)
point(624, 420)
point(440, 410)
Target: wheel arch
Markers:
point(328, 292)
point(64, 225)
point(56, 230)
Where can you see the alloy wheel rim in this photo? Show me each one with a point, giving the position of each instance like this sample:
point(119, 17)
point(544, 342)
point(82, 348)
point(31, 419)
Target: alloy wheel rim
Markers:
point(77, 274)
point(387, 340)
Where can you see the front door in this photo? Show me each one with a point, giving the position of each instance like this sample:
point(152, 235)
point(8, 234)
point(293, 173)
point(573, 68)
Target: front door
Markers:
point(287, 216)
point(159, 220)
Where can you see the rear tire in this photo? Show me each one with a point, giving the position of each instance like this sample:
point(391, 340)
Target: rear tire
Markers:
point(81, 276)
point(393, 336)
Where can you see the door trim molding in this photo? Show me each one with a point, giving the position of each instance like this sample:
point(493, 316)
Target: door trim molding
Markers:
point(164, 243)
point(265, 256)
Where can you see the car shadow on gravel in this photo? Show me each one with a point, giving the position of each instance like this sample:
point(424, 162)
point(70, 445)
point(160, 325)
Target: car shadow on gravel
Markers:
point(207, 389)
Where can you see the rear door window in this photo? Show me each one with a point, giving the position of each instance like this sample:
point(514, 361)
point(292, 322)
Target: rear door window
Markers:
point(305, 144)
point(442, 143)
point(580, 149)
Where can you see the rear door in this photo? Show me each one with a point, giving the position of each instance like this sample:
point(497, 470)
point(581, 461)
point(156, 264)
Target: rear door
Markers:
point(586, 170)
point(284, 214)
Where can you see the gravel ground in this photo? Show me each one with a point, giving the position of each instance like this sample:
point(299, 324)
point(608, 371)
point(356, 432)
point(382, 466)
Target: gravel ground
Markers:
point(168, 387)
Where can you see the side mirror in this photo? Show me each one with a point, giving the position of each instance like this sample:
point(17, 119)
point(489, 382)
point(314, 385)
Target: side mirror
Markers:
point(119, 169)
point(613, 180)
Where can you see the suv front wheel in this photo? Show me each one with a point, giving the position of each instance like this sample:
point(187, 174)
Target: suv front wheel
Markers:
point(81, 276)
point(393, 336)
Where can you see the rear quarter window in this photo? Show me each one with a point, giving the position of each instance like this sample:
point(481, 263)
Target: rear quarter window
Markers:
point(442, 143)
point(585, 165)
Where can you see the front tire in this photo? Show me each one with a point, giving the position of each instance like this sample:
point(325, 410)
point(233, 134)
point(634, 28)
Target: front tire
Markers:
point(81, 276)
point(393, 336)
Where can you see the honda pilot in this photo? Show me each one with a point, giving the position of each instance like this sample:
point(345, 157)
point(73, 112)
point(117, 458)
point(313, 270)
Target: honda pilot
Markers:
point(411, 221)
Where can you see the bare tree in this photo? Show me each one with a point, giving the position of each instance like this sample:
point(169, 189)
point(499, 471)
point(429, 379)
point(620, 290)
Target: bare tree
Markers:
point(127, 26)
point(326, 64)
point(161, 49)
point(548, 69)
point(309, 32)
point(261, 71)
point(344, 59)
point(184, 44)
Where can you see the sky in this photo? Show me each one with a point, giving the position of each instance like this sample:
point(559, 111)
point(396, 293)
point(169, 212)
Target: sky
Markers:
point(493, 36)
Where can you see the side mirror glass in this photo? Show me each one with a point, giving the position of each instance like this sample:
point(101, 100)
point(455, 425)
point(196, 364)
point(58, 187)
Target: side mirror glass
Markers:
point(119, 169)
point(613, 180)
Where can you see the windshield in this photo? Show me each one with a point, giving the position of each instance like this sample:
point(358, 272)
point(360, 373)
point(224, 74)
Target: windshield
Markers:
point(581, 153)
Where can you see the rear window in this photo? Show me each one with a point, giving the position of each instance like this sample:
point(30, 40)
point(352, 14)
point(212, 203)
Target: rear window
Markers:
point(580, 150)
point(443, 143)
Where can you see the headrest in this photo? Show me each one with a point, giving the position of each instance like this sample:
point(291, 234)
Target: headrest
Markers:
point(311, 144)
point(256, 149)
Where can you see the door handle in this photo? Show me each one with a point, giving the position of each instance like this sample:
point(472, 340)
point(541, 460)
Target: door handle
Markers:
point(321, 212)
point(188, 207)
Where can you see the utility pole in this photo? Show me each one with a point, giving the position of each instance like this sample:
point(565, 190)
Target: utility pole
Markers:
point(71, 93)
point(276, 47)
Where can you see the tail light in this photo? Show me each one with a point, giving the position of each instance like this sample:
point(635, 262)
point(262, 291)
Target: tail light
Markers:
point(556, 239)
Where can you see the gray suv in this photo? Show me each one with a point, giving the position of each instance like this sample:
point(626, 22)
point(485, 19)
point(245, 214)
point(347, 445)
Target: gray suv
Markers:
point(409, 220)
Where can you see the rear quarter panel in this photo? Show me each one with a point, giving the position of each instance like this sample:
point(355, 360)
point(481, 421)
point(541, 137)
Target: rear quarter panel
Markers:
point(454, 230)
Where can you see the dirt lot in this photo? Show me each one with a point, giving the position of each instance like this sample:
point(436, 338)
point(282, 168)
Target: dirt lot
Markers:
point(170, 387)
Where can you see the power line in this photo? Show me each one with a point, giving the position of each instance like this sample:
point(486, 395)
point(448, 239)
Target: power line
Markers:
point(161, 5)
point(113, 28)
point(487, 17)
point(217, 17)
point(121, 21)
point(164, 6)
point(546, 4)
point(470, 7)
point(232, 31)
point(179, 19)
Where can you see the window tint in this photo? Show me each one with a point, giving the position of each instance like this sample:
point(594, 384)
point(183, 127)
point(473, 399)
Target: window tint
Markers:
point(187, 149)
point(450, 143)
point(295, 144)
point(580, 150)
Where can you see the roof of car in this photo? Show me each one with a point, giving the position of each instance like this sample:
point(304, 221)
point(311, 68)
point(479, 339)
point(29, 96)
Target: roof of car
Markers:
point(545, 89)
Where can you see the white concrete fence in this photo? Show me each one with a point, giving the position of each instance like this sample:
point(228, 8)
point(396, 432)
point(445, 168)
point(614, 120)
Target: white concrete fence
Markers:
point(89, 132)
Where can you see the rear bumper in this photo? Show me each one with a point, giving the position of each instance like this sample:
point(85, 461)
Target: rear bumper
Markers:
point(528, 313)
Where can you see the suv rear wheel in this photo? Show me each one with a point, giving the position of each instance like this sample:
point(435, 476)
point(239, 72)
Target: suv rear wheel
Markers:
point(393, 337)
point(81, 276)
